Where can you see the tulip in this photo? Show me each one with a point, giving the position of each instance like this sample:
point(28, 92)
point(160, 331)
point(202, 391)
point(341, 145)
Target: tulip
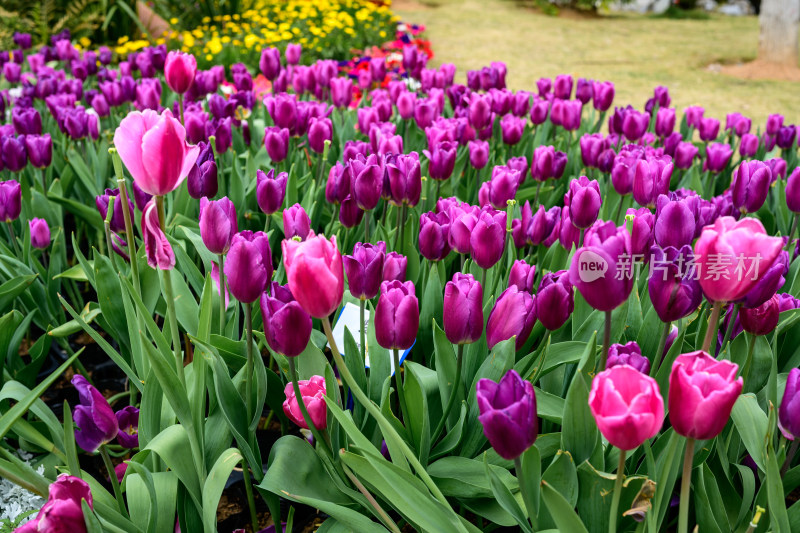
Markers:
point(95, 419)
point(567, 114)
point(293, 52)
point(793, 191)
point(628, 354)
point(674, 289)
point(287, 327)
point(480, 111)
point(651, 179)
point(140, 197)
point(717, 156)
point(154, 149)
point(202, 179)
point(547, 163)
point(319, 131)
point(584, 201)
point(23, 40)
point(315, 274)
point(599, 269)
point(676, 220)
point(394, 267)
point(702, 392)
point(665, 121)
point(406, 104)
point(397, 315)
point(270, 63)
point(786, 137)
point(732, 256)
point(777, 166)
point(341, 92)
point(513, 315)
point(708, 128)
point(40, 233)
point(313, 397)
point(63, 510)
point(685, 153)
point(512, 128)
point(737, 123)
point(789, 411)
point(157, 248)
point(179, 71)
point(270, 190)
point(769, 284)
point(562, 88)
point(337, 187)
point(763, 319)
point(248, 267)
point(602, 95)
point(627, 406)
point(774, 123)
point(543, 224)
point(568, 234)
point(128, 424)
point(623, 171)
point(584, 90)
point(488, 238)
point(634, 125)
point(218, 224)
point(117, 222)
point(750, 186)
point(463, 309)
point(405, 179)
point(508, 414)
point(13, 153)
point(501, 188)
point(434, 232)
point(12, 72)
point(350, 214)
point(425, 111)
point(276, 140)
point(26, 121)
point(442, 160)
point(296, 223)
point(591, 146)
point(539, 111)
point(748, 146)
point(522, 276)
point(642, 234)
point(40, 150)
point(364, 269)
point(694, 115)
point(462, 224)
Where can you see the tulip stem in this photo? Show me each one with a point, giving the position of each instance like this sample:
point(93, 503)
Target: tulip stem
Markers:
point(452, 399)
point(169, 297)
point(606, 340)
point(612, 518)
point(249, 373)
point(387, 521)
point(538, 190)
point(686, 482)
point(749, 361)
point(302, 404)
point(729, 330)
point(44, 181)
point(107, 231)
point(711, 332)
point(619, 209)
point(222, 307)
point(398, 380)
point(14, 238)
point(362, 329)
point(320, 166)
point(791, 237)
point(126, 215)
point(112, 476)
point(248, 489)
point(401, 235)
point(180, 108)
point(375, 412)
point(366, 226)
point(659, 355)
point(790, 456)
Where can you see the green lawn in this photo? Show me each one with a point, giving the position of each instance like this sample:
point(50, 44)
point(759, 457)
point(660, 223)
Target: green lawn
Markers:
point(635, 52)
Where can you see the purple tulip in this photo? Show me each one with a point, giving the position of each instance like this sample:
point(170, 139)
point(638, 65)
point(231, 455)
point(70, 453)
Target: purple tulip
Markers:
point(350, 214)
point(270, 190)
point(547, 163)
point(397, 315)
point(140, 197)
point(23, 40)
point(95, 419)
point(627, 354)
point(591, 146)
point(789, 411)
point(283, 110)
point(717, 157)
point(12, 72)
point(674, 289)
point(512, 128)
point(554, 299)
point(434, 231)
point(202, 179)
point(13, 153)
point(128, 424)
point(623, 171)
point(694, 115)
point(218, 224)
point(665, 121)
point(40, 150)
point(562, 88)
point(117, 222)
point(750, 186)
point(405, 178)
point(792, 191)
point(364, 269)
point(539, 111)
point(642, 225)
point(293, 52)
point(26, 121)
point(634, 125)
point(40, 233)
point(501, 188)
point(488, 238)
point(442, 160)
point(584, 201)
point(425, 111)
point(296, 223)
point(676, 220)
point(319, 131)
point(522, 276)
point(478, 153)
point(708, 128)
point(567, 114)
point(651, 179)
point(337, 187)
point(771, 280)
point(463, 309)
point(778, 167)
point(599, 269)
point(786, 137)
point(276, 141)
point(603, 95)
point(584, 90)
point(763, 319)
point(513, 315)
point(248, 267)
point(270, 63)
point(508, 414)
point(287, 327)
point(568, 233)
point(685, 153)
point(774, 123)
point(366, 180)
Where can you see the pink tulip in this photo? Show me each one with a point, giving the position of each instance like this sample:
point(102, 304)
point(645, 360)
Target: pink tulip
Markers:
point(702, 392)
point(315, 273)
point(313, 392)
point(63, 512)
point(154, 149)
point(733, 256)
point(157, 247)
point(179, 71)
point(627, 406)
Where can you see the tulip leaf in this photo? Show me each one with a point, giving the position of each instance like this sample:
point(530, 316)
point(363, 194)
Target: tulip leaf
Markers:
point(420, 385)
point(90, 519)
point(579, 430)
point(446, 370)
point(172, 445)
point(109, 295)
point(186, 307)
point(562, 512)
point(504, 497)
point(528, 479)
point(430, 312)
point(74, 272)
point(215, 483)
point(355, 364)
point(595, 490)
point(452, 438)
point(13, 288)
point(460, 477)
point(779, 518)
point(751, 423)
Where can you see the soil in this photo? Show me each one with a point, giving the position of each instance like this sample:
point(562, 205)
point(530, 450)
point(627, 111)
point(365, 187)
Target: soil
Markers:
point(761, 70)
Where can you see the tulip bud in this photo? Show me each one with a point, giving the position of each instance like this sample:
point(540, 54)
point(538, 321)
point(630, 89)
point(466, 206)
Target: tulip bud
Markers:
point(218, 224)
point(522, 276)
point(313, 396)
point(364, 269)
point(651, 179)
point(750, 186)
point(276, 140)
point(717, 157)
point(96, 422)
point(202, 179)
point(676, 220)
point(665, 121)
point(319, 131)
point(789, 411)
point(270, 190)
point(488, 238)
point(512, 128)
point(315, 273)
point(397, 315)
point(603, 95)
point(763, 319)
point(627, 354)
point(296, 222)
point(13, 153)
point(463, 309)
point(350, 214)
point(442, 160)
point(709, 129)
point(749, 145)
point(513, 314)
point(179, 71)
point(287, 327)
point(793, 191)
point(508, 414)
point(40, 233)
point(685, 153)
point(248, 267)
point(405, 179)
point(394, 267)
point(584, 201)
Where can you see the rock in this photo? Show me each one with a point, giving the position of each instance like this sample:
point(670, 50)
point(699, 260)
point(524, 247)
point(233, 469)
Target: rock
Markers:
point(737, 8)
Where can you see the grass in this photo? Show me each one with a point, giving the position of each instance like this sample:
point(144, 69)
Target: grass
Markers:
point(635, 52)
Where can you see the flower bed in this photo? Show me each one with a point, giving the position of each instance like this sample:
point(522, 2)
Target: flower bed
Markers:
point(208, 278)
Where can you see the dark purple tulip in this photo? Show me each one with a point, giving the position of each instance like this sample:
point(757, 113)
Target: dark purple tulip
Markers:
point(665, 121)
point(544, 86)
point(488, 238)
point(676, 220)
point(140, 197)
point(341, 92)
point(761, 320)
point(117, 222)
point(79, 69)
point(584, 90)
point(778, 167)
point(547, 163)
point(651, 179)
point(364, 269)
point(501, 188)
point(337, 187)
point(100, 105)
point(270, 63)
point(380, 131)
point(562, 88)
point(599, 269)
point(789, 411)
point(128, 424)
point(366, 180)
point(717, 156)
point(624, 171)
point(40, 150)
point(405, 179)
point(434, 231)
point(463, 309)
point(40, 233)
point(584, 201)
point(287, 327)
point(478, 153)
point(521, 103)
point(708, 128)
point(634, 125)
point(793, 191)
point(522, 276)
point(511, 128)
point(685, 153)
point(671, 143)
point(539, 111)
point(591, 146)
point(694, 114)
point(319, 131)
point(768, 141)
point(627, 354)
point(554, 299)
point(26, 120)
point(270, 191)
point(519, 163)
point(13, 153)
point(673, 286)
point(750, 186)
point(195, 126)
point(23, 40)
point(442, 160)
point(12, 72)
point(508, 414)
point(95, 419)
point(602, 95)
point(283, 110)
point(248, 267)
point(605, 160)
point(543, 224)
point(513, 314)
point(221, 130)
point(786, 137)
point(568, 233)
point(276, 141)
point(642, 222)
point(202, 179)
point(769, 283)
point(218, 224)
point(148, 94)
point(397, 315)
point(296, 222)
point(350, 214)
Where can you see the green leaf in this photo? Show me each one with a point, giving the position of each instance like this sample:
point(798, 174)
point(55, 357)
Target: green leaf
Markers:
point(172, 445)
point(505, 498)
point(751, 423)
point(561, 511)
point(215, 483)
point(460, 477)
point(779, 518)
point(529, 479)
point(579, 431)
point(13, 288)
